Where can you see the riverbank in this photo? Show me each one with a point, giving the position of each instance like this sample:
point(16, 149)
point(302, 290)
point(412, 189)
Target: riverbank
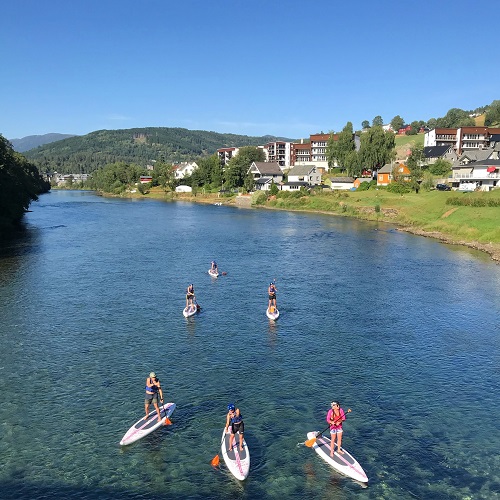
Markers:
point(424, 214)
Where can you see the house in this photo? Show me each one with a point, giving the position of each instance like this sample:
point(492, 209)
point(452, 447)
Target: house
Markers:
point(144, 179)
point(404, 130)
point(390, 172)
point(264, 174)
point(341, 182)
point(302, 176)
point(482, 175)
point(184, 169)
point(434, 153)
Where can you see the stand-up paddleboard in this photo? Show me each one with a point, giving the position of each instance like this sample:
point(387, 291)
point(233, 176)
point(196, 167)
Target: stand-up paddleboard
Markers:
point(214, 274)
point(344, 463)
point(191, 310)
point(237, 461)
point(144, 427)
point(274, 314)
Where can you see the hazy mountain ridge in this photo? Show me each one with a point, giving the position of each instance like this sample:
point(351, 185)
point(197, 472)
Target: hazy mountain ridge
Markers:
point(34, 141)
point(83, 154)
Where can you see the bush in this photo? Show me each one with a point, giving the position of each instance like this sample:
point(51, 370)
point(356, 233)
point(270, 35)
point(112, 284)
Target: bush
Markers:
point(259, 198)
point(473, 201)
point(399, 187)
point(365, 186)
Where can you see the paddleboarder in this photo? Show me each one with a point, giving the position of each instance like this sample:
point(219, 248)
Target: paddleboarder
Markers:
point(189, 295)
point(214, 266)
point(335, 417)
point(272, 296)
point(153, 394)
point(235, 420)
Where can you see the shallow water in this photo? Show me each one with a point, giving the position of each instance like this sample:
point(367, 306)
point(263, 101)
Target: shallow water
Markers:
point(402, 329)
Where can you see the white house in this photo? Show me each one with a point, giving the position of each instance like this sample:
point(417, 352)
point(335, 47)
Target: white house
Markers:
point(185, 169)
point(264, 174)
point(302, 176)
point(481, 175)
point(342, 182)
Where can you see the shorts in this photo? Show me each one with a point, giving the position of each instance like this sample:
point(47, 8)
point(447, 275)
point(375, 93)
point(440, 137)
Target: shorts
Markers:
point(336, 431)
point(272, 296)
point(151, 398)
point(238, 428)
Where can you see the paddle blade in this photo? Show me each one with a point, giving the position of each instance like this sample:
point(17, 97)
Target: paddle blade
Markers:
point(215, 461)
point(310, 442)
point(167, 421)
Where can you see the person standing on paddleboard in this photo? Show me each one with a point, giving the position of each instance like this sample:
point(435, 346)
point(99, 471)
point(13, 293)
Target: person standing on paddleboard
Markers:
point(335, 417)
point(153, 393)
point(189, 295)
point(235, 419)
point(272, 296)
point(214, 266)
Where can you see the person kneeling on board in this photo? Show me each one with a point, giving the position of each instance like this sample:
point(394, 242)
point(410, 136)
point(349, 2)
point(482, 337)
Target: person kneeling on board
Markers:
point(153, 394)
point(335, 417)
point(235, 419)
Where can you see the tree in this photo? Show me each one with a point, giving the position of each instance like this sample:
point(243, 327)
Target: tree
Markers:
point(440, 167)
point(377, 121)
point(377, 148)
point(337, 150)
point(397, 122)
point(163, 175)
point(237, 168)
point(365, 124)
point(415, 162)
point(431, 123)
point(352, 163)
point(455, 118)
point(493, 114)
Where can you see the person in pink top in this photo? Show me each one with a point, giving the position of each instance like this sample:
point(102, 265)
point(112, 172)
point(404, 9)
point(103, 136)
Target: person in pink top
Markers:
point(335, 417)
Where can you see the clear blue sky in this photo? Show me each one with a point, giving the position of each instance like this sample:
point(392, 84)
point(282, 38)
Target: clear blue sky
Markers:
point(252, 67)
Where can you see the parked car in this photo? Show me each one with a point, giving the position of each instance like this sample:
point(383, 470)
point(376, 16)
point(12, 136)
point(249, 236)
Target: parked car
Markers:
point(443, 187)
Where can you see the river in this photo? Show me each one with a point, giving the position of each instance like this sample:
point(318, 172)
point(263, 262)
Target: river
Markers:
point(401, 329)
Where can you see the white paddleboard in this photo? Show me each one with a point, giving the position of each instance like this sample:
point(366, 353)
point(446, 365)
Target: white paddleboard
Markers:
point(273, 315)
point(214, 274)
point(344, 463)
point(144, 427)
point(238, 462)
point(190, 311)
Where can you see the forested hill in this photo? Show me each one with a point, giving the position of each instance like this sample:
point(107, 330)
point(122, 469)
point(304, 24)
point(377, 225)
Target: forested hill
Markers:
point(33, 141)
point(141, 146)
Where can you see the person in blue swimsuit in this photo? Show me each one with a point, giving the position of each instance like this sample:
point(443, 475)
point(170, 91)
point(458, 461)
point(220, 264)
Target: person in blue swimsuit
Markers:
point(235, 420)
point(154, 394)
point(214, 266)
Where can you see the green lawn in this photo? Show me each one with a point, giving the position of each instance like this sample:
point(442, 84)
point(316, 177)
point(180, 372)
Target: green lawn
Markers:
point(402, 140)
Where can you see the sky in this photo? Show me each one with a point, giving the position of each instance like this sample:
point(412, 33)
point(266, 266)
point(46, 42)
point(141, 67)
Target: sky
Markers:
point(287, 68)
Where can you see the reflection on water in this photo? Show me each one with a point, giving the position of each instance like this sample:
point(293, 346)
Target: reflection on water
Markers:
point(401, 329)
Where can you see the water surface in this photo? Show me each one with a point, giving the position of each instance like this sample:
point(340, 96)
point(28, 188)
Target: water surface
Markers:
point(402, 329)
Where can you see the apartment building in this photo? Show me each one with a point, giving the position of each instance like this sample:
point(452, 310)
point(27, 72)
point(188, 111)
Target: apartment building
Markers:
point(461, 139)
point(279, 152)
point(225, 154)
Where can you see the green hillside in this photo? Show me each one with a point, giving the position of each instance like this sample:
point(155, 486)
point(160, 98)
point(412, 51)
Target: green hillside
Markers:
point(141, 146)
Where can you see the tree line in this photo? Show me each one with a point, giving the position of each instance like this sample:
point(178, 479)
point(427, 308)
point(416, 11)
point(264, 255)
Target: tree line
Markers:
point(20, 184)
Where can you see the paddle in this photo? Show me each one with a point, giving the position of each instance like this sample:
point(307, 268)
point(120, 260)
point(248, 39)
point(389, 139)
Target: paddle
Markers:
point(310, 442)
point(216, 460)
point(167, 420)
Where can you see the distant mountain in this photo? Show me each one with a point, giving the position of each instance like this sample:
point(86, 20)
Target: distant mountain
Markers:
point(141, 146)
point(33, 141)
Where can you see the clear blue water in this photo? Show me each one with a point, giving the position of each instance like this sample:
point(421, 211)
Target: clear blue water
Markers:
point(402, 329)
